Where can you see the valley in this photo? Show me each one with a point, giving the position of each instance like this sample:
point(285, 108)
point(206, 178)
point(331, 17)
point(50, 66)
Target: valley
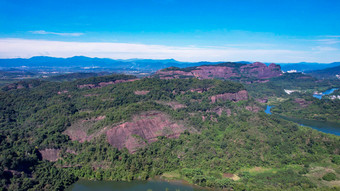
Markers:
point(205, 125)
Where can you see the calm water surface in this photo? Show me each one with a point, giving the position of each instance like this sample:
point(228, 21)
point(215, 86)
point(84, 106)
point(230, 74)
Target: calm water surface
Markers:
point(152, 185)
point(268, 109)
point(327, 92)
point(326, 127)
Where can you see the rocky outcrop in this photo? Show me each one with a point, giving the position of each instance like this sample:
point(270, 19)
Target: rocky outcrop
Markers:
point(141, 92)
point(210, 72)
point(143, 129)
point(262, 100)
point(302, 102)
point(253, 108)
point(50, 154)
point(21, 85)
point(103, 84)
point(220, 110)
point(173, 104)
point(241, 95)
point(260, 70)
point(62, 92)
point(78, 130)
point(253, 71)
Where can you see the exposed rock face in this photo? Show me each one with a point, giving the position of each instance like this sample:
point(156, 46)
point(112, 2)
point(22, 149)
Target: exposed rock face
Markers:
point(18, 85)
point(62, 92)
point(200, 90)
point(256, 70)
point(302, 102)
point(173, 104)
point(90, 95)
point(263, 100)
point(78, 130)
point(220, 110)
point(210, 72)
point(143, 129)
point(71, 151)
point(253, 108)
point(141, 92)
point(260, 70)
point(103, 84)
point(50, 154)
point(241, 95)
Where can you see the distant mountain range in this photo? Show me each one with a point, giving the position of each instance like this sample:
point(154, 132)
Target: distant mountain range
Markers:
point(305, 66)
point(86, 64)
point(326, 73)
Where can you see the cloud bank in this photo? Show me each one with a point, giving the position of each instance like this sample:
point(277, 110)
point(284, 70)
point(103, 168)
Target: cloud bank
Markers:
point(26, 48)
point(56, 33)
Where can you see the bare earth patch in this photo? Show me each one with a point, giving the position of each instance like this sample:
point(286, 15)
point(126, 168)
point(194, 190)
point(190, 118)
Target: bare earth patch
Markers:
point(316, 173)
point(51, 155)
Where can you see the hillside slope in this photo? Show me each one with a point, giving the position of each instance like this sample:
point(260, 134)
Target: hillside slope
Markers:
point(326, 73)
point(118, 128)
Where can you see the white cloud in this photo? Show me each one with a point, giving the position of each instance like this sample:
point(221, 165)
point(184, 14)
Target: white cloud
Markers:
point(325, 48)
point(25, 48)
point(56, 33)
point(332, 36)
point(328, 41)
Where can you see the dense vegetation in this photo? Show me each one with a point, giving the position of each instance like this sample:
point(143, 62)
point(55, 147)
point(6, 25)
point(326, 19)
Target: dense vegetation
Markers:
point(243, 150)
point(290, 81)
point(308, 107)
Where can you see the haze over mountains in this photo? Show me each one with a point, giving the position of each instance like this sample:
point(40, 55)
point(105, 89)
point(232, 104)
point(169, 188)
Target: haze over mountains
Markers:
point(143, 65)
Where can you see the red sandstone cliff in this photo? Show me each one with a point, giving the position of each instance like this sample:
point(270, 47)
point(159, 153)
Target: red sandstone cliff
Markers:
point(143, 129)
point(241, 95)
point(256, 70)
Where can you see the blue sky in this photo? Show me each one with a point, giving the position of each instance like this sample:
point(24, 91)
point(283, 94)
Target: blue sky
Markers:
point(187, 30)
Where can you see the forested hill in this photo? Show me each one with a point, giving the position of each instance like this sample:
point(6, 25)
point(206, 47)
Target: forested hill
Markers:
point(208, 132)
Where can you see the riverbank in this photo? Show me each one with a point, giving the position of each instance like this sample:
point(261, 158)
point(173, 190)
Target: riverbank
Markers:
point(323, 126)
point(154, 184)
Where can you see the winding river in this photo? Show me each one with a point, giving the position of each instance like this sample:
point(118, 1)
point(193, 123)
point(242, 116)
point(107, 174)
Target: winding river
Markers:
point(323, 126)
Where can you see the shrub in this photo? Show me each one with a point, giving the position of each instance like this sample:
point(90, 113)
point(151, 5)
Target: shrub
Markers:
point(336, 159)
point(329, 176)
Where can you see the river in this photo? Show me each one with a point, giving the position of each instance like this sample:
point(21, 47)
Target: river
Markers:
point(323, 126)
point(151, 185)
point(327, 92)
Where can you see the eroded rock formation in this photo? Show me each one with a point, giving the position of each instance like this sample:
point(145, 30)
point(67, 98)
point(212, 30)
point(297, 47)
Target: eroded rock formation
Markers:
point(78, 130)
point(241, 95)
point(103, 84)
point(143, 129)
point(256, 70)
point(141, 92)
point(173, 104)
